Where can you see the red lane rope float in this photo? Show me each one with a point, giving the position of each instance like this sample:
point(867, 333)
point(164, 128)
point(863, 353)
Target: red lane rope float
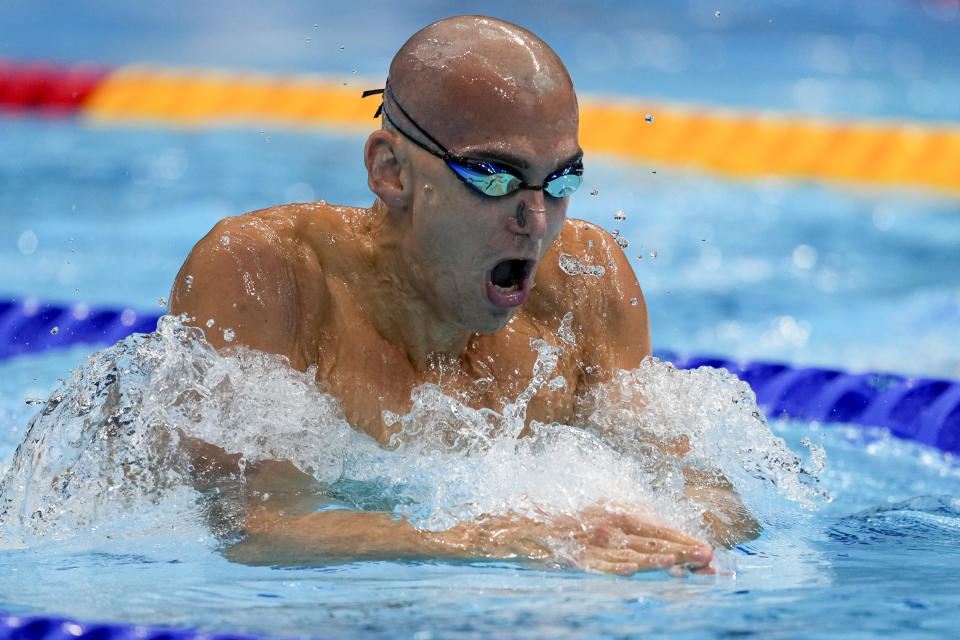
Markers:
point(725, 141)
point(46, 87)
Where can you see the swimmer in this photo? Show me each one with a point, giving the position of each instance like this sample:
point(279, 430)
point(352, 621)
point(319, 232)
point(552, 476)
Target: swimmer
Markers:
point(445, 279)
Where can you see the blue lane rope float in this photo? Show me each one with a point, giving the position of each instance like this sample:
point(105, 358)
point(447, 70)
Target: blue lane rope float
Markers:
point(921, 409)
point(43, 628)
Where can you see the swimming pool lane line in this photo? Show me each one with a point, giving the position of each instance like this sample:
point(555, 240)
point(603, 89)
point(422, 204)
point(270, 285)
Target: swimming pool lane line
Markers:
point(730, 142)
point(921, 409)
point(36, 627)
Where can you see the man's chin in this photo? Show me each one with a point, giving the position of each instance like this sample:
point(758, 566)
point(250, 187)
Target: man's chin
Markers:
point(495, 320)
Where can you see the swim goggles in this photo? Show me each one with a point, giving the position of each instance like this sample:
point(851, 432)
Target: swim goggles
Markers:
point(486, 178)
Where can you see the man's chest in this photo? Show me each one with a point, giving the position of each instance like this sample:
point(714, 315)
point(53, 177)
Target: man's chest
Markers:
point(522, 363)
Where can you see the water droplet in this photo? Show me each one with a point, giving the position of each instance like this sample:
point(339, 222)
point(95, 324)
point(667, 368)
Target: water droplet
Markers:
point(649, 118)
point(308, 39)
point(572, 266)
point(622, 242)
point(341, 47)
point(316, 26)
point(162, 301)
point(653, 170)
point(557, 383)
point(716, 13)
point(589, 243)
point(634, 302)
point(34, 401)
point(228, 335)
point(71, 240)
point(653, 254)
point(565, 332)
point(224, 240)
point(54, 331)
point(620, 216)
point(639, 256)
point(595, 192)
point(210, 322)
point(353, 71)
point(189, 281)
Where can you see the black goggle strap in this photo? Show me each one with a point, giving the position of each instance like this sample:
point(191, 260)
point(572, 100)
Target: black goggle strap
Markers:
point(446, 152)
point(374, 92)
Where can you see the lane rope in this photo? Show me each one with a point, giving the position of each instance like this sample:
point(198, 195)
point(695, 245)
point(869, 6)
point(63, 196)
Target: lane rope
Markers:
point(730, 142)
point(922, 409)
point(35, 627)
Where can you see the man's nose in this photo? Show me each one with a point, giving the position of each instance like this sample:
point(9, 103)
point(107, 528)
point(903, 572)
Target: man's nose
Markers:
point(531, 218)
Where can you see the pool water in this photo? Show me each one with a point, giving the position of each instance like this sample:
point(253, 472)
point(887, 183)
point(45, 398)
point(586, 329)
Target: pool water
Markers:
point(832, 275)
point(866, 539)
point(880, 557)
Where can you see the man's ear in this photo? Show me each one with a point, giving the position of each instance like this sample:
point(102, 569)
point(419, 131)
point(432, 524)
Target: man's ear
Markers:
point(385, 176)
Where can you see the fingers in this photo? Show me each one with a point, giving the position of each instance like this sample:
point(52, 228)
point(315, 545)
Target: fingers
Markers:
point(697, 555)
point(640, 527)
point(608, 548)
point(622, 561)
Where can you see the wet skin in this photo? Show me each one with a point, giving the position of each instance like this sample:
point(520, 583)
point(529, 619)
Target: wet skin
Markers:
point(384, 299)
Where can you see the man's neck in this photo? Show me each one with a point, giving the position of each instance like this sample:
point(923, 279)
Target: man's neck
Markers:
point(395, 306)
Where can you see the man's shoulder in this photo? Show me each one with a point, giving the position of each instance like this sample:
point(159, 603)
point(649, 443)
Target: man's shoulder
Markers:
point(586, 240)
point(262, 275)
point(585, 272)
point(584, 261)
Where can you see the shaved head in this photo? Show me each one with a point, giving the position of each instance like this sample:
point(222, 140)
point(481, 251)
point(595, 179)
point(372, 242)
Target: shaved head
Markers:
point(459, 76)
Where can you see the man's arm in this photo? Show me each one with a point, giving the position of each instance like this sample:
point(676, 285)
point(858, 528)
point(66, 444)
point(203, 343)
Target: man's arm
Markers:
point(278, 507)
point(237, 286)
point(622, 341)
point(613, 542)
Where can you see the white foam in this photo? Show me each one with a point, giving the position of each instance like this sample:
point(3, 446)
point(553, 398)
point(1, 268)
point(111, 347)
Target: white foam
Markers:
point(106, 446)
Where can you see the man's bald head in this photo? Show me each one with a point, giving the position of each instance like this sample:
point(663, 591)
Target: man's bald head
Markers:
point(467, 73)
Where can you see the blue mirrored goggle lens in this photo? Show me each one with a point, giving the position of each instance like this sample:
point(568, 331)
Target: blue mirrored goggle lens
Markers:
point(493, 181)
point(486, 179)
point(562, 186)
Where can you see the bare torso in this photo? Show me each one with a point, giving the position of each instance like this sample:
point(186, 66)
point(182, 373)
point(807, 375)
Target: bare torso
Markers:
point(301, 281)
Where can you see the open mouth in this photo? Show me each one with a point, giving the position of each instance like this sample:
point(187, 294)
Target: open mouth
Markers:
point(509, 282)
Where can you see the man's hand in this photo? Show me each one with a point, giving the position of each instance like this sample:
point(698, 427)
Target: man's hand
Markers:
point(601, 539)
point(597, 539)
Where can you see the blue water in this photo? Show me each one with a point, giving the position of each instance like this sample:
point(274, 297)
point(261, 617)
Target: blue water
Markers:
point(809, 273)
point(881, 557)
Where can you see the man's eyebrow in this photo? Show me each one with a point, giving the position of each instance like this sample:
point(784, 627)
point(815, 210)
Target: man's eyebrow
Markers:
point(511, 161)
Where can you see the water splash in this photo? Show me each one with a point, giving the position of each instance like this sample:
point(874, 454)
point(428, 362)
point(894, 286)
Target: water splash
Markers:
point(107, 444)
point(621, 241)
point(572, 266)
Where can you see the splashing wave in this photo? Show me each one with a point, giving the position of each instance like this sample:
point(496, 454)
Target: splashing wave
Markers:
point(107, 444)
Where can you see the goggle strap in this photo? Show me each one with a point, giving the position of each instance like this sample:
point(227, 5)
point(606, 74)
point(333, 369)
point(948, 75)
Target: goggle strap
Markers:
point(446, 152)
point(374, 92)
